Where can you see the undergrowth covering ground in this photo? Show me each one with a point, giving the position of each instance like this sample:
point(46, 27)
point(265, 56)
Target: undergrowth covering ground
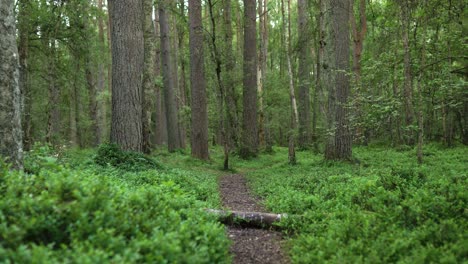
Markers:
point(384, 209)
point(115, 207)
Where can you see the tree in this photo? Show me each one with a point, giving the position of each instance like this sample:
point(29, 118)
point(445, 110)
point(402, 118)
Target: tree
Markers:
point(170, 89)
point(335, 68)
point(304, 111)
point(127, 71)
point(199, 134)
point(249, 146)
point(148, 78)
point(11, 142)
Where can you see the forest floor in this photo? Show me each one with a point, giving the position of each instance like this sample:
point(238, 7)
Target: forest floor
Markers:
point(249, 245)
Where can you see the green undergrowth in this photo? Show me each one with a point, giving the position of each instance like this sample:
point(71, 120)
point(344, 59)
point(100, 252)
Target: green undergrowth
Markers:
point(79, 207)
point(383, 209)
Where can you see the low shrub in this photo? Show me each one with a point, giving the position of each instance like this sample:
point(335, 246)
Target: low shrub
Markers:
point(112, 155)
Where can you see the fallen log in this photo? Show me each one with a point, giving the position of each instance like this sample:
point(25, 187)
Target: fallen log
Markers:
point(247, 219)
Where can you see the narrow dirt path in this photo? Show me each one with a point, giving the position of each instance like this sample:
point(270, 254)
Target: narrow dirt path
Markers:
point(249, 245)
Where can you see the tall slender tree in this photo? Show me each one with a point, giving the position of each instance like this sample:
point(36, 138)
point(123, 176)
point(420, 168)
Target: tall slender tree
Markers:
point(148, 77)
point(127, 70)
point(199, 134)
point(335, 68)
point(11, 143)
point(249, 146)
point(170, 88)
point(304, 111)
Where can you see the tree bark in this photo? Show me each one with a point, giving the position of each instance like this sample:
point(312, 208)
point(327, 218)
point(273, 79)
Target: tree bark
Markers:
point(304, 111)
point(199, 133)
point(11, 142)
point(101, 109)
point(249, 146)
point(53, 111)
point(292, 96)
point(23, 50)
point(160, 129)
point(127, 71)
point(148, 77)
point(336, 67)
point(408, 81)
point(168, 69)
point(232, 118)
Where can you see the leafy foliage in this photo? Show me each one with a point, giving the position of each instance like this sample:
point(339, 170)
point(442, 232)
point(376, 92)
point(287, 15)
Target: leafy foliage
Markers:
point(96, 214)
point(111, 155)
point(385, 209)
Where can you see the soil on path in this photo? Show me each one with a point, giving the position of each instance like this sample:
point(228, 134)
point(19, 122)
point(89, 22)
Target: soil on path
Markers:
point(249, 245)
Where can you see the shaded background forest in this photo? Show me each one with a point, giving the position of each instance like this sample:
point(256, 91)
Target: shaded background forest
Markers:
point(408, 73)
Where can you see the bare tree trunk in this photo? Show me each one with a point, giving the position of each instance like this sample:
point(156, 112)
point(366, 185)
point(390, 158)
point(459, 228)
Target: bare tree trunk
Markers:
point(305, 129)
point(336, 66)
point(199, 135)
point(23, 50)
point(249, 146)
point(408, 83)
point(73, 102)
point(127, 73)
point(168, 69)
point(318, 76)
point(294, 115)
point(179, 77)
point(266, 121)
point(101, 109)
point(359, 35)
point(148, 78)
point(53, 111)
point(232, 118)
point(160, 129)
point(261, 67)
point(11, 142)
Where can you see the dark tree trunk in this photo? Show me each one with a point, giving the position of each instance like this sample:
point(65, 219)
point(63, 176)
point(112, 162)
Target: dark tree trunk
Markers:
point(127, 71)
point(304, 111)
point(408, 81)
point(160, 129)
point(232, 118)
point(199, 134)
point(23, 49)
point(170, 88)
point(249, 146)
point(53, 111)
point(336, 66)
point(11, 142)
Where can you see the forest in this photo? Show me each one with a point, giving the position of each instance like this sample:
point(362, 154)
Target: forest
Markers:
point(229, 131)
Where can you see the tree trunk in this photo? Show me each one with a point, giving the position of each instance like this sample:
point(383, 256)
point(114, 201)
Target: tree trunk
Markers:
point(168, 69)
point(53, 111)
point(359, 35)
point(160, 129)
point(101, 109)
point(232, 118)
point(181, 83)
point(249, 146)
point(23, 50)
point(11, 142)
point(148, 78)
point(199, 135)
point(292, 97)
point(305, 129)
point(408, 82)
point(336, 66)
point(261, 73)
point(127, 71)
